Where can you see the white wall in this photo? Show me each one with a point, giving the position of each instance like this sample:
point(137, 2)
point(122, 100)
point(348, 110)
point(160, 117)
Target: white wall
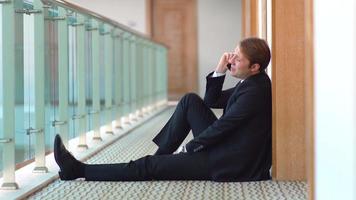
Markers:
point(335, 99)
point(219, 30)
point(131, 13)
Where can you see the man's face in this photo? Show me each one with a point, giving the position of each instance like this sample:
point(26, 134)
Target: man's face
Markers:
point(240, 66)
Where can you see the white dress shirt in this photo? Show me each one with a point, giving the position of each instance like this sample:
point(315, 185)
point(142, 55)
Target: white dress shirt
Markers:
point(217, 74)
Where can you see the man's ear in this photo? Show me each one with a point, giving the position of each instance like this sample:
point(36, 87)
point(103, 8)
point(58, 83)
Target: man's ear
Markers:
point(255, 67)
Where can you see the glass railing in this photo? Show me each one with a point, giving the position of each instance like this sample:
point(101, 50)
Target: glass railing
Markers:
point(67, 70)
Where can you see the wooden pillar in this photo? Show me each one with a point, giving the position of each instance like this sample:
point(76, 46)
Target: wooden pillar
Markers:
point(309, 98)
point(289, 90)
point(254, 18)
point(249, 18)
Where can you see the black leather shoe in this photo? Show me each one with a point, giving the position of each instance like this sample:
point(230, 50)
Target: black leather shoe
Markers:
point(70, 168)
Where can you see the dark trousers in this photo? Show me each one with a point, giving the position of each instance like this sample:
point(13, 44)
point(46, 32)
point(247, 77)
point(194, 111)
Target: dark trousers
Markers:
point(191, 113)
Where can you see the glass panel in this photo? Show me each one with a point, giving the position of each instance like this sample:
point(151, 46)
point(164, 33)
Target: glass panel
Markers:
point(102, 75)
point(80, 76)
point(143, 72)
point(120, 81)
point(158, 73)
point(95, 84)
point(51, 81)
point(108, 76)
point(140, 74)
point(73, 99)
point(114, 80)
point(126, 74)
point(132, 66)
point(62, 126)
point(24, 95)
point(153, 73)
point(88, 75)
point(149, 78)
point(148, 74)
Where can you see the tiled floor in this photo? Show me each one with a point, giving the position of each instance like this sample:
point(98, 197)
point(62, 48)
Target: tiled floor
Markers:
point(137, 144)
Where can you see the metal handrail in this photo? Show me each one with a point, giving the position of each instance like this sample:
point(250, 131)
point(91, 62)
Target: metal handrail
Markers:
point(5, 140)
point(92, 112)
point(76, 7)
point(58, 123)
point(5, 1)
point(31, 130)
point(78, 116)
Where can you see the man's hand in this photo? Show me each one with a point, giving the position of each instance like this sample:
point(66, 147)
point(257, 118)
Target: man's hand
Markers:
point(225, 59)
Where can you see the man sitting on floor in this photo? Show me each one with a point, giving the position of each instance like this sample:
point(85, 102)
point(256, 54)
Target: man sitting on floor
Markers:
point(235, 147)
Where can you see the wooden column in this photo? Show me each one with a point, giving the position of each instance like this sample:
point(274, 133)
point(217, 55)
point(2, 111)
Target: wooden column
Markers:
point(249, 18)
point(309, 95)
point(289, 90)
point(253, 18)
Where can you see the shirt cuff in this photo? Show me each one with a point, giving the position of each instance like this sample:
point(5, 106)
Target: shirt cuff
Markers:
point(217, 74)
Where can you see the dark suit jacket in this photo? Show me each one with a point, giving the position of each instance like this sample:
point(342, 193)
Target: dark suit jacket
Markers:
point(239, 142)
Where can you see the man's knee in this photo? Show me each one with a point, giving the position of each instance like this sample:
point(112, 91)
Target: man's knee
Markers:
point(191, 98)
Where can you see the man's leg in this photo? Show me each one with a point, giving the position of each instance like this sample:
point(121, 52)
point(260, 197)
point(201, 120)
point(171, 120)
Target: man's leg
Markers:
point(191, 114)
point(180, 166)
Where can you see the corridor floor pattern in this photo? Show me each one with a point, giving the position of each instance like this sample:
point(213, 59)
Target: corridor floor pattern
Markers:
point(139, 143)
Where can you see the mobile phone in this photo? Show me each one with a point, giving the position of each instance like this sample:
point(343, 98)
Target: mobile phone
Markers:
point(229, 66)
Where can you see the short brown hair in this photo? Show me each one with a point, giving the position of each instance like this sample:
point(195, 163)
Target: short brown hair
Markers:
point(257, 51)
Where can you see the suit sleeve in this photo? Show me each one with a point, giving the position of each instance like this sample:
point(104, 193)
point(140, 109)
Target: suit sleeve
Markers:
point(247, 104)
point(214, 96)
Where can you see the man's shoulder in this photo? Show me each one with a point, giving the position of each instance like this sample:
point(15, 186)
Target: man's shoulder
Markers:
point(259, 84)
point(258, 80)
